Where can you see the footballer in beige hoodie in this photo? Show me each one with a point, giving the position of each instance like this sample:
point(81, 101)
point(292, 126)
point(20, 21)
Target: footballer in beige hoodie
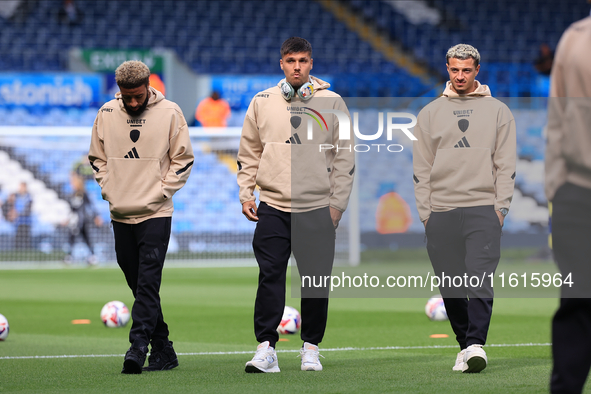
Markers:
point(141, 154)
point(464, 171)
point(290, 148)
point(568, 187)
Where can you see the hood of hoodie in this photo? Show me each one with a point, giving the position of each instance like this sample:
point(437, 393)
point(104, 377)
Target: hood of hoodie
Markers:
point(318, 83)
point(481, 91)
point(155, 97)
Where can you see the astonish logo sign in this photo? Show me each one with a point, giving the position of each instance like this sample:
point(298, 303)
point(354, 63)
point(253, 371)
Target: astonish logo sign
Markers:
point(57, 89)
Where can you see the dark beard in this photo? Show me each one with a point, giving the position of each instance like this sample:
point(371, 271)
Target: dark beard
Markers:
point(138, 111)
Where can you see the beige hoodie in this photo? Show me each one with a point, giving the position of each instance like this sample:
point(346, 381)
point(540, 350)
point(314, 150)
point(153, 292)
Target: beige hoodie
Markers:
point(140, 162)
point(296, 173)
point(465, 153)
point(568, 149)
point(480, 91)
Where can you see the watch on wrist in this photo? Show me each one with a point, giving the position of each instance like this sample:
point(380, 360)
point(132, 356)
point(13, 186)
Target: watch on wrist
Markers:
point(504, 211)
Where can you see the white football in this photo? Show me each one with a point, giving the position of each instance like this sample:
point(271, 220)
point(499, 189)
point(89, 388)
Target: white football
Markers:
point(3, 328)
point(115, 314)
point(290, 322)
point(435, 309)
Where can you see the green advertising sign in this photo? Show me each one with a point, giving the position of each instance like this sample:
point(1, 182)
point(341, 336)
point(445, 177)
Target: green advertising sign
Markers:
point(107, 60)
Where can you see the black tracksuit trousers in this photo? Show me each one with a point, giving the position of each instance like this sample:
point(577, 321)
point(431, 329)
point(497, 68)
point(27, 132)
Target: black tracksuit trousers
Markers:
point(141, 250)
point(311, 237)
point(571, 326)
point(465, 241)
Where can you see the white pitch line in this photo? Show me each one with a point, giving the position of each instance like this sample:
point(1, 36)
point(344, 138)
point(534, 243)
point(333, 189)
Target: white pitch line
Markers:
point(338, 349)
point(62, 356)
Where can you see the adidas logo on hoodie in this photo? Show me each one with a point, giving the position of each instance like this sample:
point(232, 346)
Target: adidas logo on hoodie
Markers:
point(294, 139)
point(132, 154)
point(463, 143)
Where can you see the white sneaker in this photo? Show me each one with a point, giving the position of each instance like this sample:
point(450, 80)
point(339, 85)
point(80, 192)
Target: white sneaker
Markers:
point(475, 359)
point(459, 361)
point(264, 360)
point(309, 354)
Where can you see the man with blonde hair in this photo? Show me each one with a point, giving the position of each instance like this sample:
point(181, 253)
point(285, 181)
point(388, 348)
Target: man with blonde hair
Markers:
point(141, 156)
point(464, 170)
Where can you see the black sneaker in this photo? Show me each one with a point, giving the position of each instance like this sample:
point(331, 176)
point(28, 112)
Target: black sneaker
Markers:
point(162, 357)
point(134, 359)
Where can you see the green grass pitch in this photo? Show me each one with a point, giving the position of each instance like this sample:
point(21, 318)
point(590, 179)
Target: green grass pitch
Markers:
point(210, 310)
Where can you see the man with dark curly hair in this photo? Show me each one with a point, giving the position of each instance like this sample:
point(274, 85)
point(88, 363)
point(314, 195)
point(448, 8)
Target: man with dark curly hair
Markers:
point(141, 155)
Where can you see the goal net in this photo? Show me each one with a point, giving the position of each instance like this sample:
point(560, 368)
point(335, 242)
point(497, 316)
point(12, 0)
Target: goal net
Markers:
point(44, 169)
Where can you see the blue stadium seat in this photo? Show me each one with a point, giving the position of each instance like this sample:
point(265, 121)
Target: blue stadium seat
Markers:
point(251, 26)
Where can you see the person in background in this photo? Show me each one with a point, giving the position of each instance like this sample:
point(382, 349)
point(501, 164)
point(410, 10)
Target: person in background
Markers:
point(83, 213)
point(69, 13)
point(157, 83)
point(213, 111)
point(19, 206)
point(543, 63)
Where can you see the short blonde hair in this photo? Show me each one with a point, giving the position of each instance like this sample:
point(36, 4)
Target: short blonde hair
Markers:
point(132, 74)
point(463, 52)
